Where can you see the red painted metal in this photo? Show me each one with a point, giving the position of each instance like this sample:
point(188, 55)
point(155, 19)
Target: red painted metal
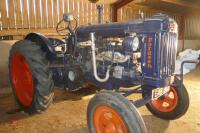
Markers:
point(168, 102)
point(22, 79)
point(107, 120)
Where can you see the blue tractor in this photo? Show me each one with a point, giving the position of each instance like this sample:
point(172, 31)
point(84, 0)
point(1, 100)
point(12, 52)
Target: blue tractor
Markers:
point(139, 55)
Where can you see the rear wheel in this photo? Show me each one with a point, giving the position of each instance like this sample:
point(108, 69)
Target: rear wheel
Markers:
point(110, 112)
point(30, 76)
point(172, 105)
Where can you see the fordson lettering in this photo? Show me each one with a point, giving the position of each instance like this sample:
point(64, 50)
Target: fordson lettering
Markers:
point(149, 47)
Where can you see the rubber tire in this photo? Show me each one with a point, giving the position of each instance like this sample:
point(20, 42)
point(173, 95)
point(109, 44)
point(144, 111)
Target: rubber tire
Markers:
point(42, 76)
point(122, 106)
point(181, 108)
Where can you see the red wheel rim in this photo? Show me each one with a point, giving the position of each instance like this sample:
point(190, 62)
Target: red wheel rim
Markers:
point(168, 102)
point(107, 120)
point(22, 79)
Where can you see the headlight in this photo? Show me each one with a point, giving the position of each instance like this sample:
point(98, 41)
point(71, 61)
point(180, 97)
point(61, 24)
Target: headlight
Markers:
point(130, 43)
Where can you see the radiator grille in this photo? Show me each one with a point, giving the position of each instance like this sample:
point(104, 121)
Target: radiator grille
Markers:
point(167, 51)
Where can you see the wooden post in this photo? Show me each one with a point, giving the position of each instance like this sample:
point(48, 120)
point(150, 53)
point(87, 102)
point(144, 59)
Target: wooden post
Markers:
point(182, 30)
point(116, 6)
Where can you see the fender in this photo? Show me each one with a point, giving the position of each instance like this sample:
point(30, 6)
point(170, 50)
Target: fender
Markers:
point(46, 43)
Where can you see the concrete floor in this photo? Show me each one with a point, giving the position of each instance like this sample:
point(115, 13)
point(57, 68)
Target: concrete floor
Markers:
point(68, 113)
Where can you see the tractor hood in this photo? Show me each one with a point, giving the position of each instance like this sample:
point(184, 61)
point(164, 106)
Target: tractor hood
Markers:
point(157, 23)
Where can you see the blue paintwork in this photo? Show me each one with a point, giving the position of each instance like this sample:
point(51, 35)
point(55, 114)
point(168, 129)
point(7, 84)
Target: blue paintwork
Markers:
point(46, 43)
point(153, 25)
point(154, 28)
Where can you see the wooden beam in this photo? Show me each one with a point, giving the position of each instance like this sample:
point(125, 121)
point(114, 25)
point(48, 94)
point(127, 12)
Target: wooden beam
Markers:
point(116, 6)
point(24, 32)
point(121, 3)
point(183, 3)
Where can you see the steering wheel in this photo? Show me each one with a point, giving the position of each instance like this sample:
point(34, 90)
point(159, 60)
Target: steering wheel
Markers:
point(70, 27)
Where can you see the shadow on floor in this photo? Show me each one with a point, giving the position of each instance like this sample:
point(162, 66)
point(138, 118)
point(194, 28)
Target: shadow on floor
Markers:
point(79, 130)
point(9, 109)
point(154, 124)
point(61, 94)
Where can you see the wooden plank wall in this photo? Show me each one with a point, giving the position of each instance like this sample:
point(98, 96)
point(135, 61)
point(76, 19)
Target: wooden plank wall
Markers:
point(131, 12)
point(18, 16)
point(192, 27)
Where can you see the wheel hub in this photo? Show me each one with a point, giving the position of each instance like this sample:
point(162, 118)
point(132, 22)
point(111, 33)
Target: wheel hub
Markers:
point(107, 120)
point(167, 102)
point(22, 79)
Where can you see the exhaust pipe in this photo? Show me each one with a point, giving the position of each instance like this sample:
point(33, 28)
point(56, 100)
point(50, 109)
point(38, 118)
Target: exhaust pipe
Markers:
point(94, 62)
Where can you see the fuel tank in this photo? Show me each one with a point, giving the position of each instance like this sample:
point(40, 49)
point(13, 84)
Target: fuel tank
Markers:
point(157, 23)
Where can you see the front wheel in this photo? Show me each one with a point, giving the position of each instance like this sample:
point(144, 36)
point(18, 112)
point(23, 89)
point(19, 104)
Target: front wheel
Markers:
point(172, 105)
point(110, 112)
